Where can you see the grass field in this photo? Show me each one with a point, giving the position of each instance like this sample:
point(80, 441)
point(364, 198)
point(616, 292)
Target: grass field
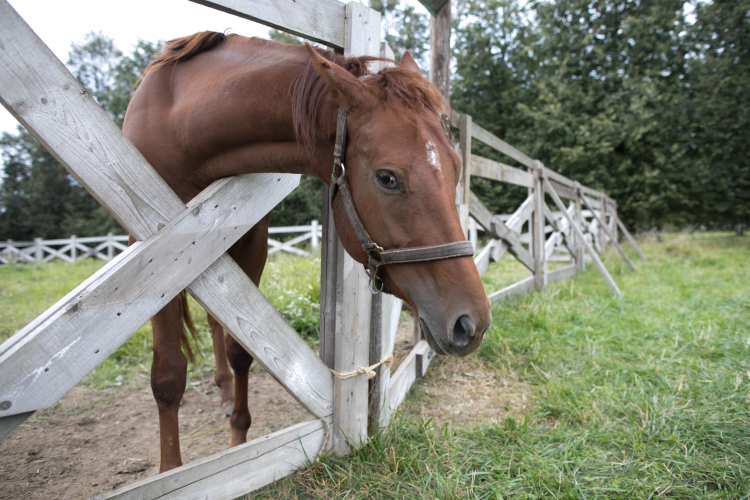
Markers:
point(646, 395)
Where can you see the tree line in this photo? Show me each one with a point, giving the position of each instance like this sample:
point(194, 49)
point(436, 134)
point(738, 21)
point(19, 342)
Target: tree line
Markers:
point(648, 101)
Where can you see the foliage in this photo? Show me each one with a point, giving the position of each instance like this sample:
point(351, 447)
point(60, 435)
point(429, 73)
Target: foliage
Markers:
point(639, 396)
point(720, 100)
point(404, 28)
point(283, 37)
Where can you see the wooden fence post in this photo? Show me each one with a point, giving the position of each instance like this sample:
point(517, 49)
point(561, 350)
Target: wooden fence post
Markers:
point(110, 246)
point(613, 224)
point(537, 233)
point(603, 222)
point(38, 252)
point(353, 302)
point(463, 190)
point(473, 234)
point(577, 220)
point(73, 249)
point(314, 231)
point(440, 49)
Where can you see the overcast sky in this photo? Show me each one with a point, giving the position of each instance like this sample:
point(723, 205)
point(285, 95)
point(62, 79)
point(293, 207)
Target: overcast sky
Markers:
point(60, 22)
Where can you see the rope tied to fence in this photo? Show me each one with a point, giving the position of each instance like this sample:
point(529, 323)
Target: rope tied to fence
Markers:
point(369, 370)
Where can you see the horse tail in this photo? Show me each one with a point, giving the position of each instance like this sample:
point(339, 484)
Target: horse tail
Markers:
point(182, 49)
point(186, 320)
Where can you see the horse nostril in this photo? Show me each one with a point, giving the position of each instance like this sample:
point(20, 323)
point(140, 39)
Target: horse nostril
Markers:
point(463, 331)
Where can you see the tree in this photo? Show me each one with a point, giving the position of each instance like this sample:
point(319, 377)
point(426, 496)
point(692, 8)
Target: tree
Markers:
point(720, 99)
point(404, 28)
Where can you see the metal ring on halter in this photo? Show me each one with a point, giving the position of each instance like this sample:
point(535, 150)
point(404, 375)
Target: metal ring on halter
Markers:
point(375, 292)
point(373, 278)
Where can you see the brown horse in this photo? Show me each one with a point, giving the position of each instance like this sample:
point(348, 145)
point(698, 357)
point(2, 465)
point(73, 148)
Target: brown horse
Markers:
point(212, 106)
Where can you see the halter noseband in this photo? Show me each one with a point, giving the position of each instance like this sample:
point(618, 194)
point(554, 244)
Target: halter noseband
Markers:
point(376, 255)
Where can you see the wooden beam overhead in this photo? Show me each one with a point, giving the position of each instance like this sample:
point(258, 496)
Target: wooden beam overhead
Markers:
point(433, 6)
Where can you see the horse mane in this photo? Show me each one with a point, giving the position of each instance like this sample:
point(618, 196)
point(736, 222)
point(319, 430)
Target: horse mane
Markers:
point(182, 49)
point(395, 85)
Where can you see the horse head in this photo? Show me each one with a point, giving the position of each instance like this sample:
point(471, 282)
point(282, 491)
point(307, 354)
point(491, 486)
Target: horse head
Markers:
point(402, 173)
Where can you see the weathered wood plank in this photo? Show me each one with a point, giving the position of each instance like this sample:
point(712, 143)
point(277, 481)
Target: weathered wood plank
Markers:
point(499, 230)
point(440, 48)
point(353, 310)
point(521, 215)
point(423, 358)
point(495, 142)
point(55, 108)
point(321, 21)
point(43, 361)
point(463, 194)
point(402, 380)
point(518, 288)
point(10, 423)
point(629, 236)
point(537, 227)
point(579, 233)
point(489, 169)
point(331, 267)
point(605, 228)
point(232, 473)
point(562, 190)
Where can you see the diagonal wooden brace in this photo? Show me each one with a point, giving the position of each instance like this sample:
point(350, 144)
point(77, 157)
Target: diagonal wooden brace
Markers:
point(499, 230)
point(614, 241)
point(579, 233)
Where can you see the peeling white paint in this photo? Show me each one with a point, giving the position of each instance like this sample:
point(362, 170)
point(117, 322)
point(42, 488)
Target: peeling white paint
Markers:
point(433, 158)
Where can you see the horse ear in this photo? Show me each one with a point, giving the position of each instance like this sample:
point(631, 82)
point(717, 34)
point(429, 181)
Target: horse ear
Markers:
point(408, 62)
point(343, 87)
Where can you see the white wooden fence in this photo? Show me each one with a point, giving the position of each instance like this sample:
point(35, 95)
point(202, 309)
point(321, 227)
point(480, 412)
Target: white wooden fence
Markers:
point(107, 247)
point(47, 358)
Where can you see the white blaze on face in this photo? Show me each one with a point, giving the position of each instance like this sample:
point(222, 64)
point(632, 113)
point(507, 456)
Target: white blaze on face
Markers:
point(432, 157)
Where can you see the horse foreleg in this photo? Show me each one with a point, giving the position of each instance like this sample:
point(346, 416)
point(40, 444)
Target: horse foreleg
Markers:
point(223, 376)
point(168, 379)
point(240, 361)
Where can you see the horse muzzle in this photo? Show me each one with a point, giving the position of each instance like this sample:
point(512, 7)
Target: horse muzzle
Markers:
point(459, 336)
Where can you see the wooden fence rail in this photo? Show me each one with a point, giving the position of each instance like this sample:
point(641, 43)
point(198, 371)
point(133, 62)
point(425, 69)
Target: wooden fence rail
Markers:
point(107, 247)
point(536, 234)
point(43, 361)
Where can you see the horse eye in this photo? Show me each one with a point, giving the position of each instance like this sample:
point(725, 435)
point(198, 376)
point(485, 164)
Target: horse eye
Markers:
point(387, 179)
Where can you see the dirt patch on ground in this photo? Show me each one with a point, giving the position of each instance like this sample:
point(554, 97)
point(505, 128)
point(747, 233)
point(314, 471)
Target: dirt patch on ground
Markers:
point(94, 441)
point(467, 392)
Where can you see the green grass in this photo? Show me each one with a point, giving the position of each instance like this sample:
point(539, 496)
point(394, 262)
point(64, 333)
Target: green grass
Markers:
point(646, 395)
point(292, 284)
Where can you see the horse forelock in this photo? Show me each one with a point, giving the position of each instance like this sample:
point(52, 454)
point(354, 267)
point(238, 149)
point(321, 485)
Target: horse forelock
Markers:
point(394, 86)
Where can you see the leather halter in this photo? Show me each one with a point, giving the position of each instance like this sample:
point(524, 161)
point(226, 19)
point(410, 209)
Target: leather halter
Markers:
point(376, 255)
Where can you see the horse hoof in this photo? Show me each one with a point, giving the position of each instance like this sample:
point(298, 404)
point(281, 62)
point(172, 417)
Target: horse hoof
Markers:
point(227, 407)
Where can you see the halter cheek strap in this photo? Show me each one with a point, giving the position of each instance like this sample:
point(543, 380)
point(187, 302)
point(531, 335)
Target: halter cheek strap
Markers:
point(376, 255)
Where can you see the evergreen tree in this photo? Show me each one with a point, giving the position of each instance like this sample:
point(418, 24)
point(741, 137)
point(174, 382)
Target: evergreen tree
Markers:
point(720, 100)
